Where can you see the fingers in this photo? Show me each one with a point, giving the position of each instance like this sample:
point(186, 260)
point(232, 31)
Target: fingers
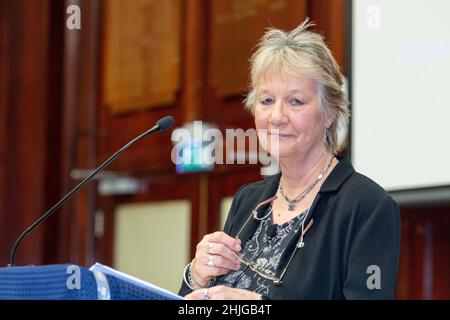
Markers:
point(215, 256)
point(222, 255)
point(222, 248)
point(222, 293)
point(212, 261)
point(200, 294)
point(205, 271)
point(221, 237)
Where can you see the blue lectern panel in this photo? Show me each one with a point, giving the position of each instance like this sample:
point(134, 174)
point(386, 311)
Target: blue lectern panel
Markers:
point(51, 282)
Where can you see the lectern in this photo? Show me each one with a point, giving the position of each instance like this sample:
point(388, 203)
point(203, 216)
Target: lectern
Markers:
point(71, 282)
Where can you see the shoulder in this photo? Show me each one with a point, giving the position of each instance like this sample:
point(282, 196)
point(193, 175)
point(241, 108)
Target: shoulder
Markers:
point(346, 184)
point(366, 197)
point(362, 186)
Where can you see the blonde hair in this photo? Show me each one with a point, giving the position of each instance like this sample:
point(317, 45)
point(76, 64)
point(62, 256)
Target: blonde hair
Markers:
point(303, 52)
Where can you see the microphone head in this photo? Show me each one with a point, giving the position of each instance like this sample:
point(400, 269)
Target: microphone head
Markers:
point(165, 123)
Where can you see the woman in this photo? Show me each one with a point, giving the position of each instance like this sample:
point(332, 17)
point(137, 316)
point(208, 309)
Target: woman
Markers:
point(317, 230)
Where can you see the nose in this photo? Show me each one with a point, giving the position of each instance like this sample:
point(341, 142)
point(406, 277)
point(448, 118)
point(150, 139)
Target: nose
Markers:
point(278, 115)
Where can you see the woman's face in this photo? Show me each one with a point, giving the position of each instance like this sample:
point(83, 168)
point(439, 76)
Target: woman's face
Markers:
point(287, 116)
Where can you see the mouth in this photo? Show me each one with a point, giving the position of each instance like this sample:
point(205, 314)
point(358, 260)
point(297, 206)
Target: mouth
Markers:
point(281, 135)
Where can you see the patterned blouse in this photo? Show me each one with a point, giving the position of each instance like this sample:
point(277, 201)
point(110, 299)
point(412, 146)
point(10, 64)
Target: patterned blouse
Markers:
point(263, 251)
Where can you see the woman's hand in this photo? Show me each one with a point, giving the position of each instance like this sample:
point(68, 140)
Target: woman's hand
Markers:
point(215, 256)
point(223, 293)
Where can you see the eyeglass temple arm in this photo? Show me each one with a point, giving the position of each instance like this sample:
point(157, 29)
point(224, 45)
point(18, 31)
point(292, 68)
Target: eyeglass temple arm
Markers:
point(297, 246)
point(305, 231)
point(253, 214)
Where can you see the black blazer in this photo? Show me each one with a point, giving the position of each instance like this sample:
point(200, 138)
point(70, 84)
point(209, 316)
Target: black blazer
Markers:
point(352, 249)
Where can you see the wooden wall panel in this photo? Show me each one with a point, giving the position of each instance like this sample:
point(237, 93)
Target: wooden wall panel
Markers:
point(78, 132)
point(424, 271)
point(441, 255)
point(151, 157)
point(86, 135)
point(25, 180)
point(195, 59)
point(410, 284)
point(70, 121)
point(52, 249)
point(329, 19)
point(5, 36)
point(235, 28)
point(142, 54)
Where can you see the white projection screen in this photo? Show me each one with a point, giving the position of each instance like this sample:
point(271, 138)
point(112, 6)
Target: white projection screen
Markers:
point(400, 92)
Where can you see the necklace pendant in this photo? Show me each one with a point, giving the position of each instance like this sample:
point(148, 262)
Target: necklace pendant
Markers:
point(291, 206)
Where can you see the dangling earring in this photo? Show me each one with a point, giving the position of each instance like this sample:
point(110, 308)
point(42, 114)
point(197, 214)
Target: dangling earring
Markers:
point(326, 138)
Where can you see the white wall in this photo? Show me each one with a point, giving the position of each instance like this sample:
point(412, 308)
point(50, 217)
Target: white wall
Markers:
point(151, 241)
point(401, 87)
point(225, 205)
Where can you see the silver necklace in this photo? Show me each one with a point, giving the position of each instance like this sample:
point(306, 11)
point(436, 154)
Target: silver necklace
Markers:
point(293, 203)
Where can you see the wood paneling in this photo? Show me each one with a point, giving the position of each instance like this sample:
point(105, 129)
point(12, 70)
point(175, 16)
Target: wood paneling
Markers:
point(27, 180)
point(79, 133)
point(195, 57)
point(329, 19)
point(86, 135)
point(70, 121)
point(236, 27)
point(5, 56)
point(441, 254)
point(142, 54)
point(424, 271)
point(54, 155)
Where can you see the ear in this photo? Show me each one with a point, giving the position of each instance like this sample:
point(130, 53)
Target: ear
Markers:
point(329, 120)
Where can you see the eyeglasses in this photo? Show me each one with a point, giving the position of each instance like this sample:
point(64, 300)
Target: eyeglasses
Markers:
point(253, 263)
point(260, 270)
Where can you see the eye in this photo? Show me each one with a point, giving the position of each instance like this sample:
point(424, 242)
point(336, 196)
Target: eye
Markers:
point(267, 101)
point(296, 102)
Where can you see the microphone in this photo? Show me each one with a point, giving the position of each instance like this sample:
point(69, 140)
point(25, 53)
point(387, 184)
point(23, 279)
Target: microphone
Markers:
point(271, 231)
point(161, 125)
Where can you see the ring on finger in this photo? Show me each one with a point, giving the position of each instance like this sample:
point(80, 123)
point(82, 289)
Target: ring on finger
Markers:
point(210, 261)
point(210, 248)
point(205, 294)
